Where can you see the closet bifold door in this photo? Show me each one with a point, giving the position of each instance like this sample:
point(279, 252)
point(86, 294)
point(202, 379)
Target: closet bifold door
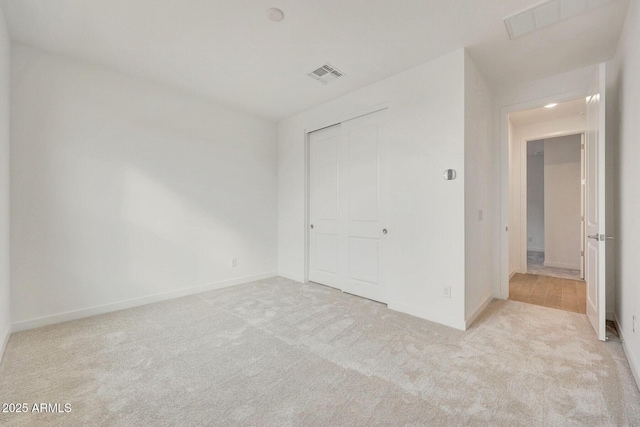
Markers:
point(349, 206)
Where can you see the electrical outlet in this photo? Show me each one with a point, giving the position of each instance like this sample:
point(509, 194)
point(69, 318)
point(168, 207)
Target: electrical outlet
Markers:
point(234, 262)
point(634, 323)
point(446, 291)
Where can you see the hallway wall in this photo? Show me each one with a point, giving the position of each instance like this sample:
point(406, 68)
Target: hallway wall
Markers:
point(562, 210)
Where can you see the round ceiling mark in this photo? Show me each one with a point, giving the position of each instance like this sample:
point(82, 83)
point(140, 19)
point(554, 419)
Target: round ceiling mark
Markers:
point(275, 14)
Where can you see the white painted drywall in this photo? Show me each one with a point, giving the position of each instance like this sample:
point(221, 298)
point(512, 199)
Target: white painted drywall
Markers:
point(5, 310)
point(517, 172)
point(627, 233)
point(535, 196)
point(562, 87)
point(124, 191)
point(479, 197)
point(562, 170)
point(427, 217)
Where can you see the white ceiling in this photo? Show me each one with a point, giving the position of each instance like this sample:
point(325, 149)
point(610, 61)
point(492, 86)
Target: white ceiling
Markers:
point(228, 50)
point(561, 111)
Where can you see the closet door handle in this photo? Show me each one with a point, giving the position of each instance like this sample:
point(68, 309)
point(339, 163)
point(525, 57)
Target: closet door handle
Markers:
point(384, 231)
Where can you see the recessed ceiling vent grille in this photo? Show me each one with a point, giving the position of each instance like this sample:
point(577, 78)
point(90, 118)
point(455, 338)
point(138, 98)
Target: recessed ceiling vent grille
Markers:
point(326, 74)
point(548, 13)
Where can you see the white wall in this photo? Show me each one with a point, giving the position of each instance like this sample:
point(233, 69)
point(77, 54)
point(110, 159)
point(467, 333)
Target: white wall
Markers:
point(479, 195)
point(627, 234)
point(562, 174)
point(427, 217)
point(125, 192)
point(5, 311)
point(518, 138)
point(535, 195)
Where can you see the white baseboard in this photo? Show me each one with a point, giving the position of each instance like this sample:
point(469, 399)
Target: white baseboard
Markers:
point(427, 315)
point(4, 342)
point(633, 364)
point(512, 273)
point(478, 311)
point(136, 302)
point(561, 265)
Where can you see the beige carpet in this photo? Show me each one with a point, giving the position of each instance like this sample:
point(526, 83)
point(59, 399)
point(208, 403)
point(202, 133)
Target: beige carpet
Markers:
point(278, 353)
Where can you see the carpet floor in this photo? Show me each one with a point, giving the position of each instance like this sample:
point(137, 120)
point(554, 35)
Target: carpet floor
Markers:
point(279, 353)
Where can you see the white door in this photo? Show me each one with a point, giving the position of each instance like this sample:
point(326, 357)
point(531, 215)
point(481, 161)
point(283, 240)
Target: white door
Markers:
point(324, 236)
point(595, 271)
point(364, 205)
point(348, 206)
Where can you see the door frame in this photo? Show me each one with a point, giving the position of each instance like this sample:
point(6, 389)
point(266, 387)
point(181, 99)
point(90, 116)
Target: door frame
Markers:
point(523, 223)
point(307, 171)
point(502, 290)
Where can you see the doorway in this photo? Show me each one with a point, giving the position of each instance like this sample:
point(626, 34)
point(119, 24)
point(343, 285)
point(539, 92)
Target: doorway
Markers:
point(554, 207)
point(546, 209)
point(598, 269)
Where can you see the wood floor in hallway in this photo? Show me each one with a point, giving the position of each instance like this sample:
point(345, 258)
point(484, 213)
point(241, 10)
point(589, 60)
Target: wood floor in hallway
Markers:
point(563, 294)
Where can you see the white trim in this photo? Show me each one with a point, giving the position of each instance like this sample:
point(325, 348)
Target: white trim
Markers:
point(532, 249)
point(561, 265)
point(136, 302)
point(5, 341)
point(633, 364)
point(512, 273)
point(426, 315)
point(503, 291)
point(478, 311)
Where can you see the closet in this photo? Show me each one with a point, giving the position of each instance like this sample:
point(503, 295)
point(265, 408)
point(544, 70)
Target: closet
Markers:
point(348, 206)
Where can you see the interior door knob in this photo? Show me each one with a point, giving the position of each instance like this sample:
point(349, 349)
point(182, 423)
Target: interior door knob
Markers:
point(311, 225)
point(384, 231)
point(594, 237)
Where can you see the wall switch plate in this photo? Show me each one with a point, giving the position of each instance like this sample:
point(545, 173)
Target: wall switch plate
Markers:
point(234, 262)
point(446, 291)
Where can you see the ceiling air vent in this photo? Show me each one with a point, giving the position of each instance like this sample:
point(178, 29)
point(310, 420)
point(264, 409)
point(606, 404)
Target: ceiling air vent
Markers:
point(326, 74)
point(548, 13)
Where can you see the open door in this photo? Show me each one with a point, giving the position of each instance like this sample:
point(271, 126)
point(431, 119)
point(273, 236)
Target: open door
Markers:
point(595, 268)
